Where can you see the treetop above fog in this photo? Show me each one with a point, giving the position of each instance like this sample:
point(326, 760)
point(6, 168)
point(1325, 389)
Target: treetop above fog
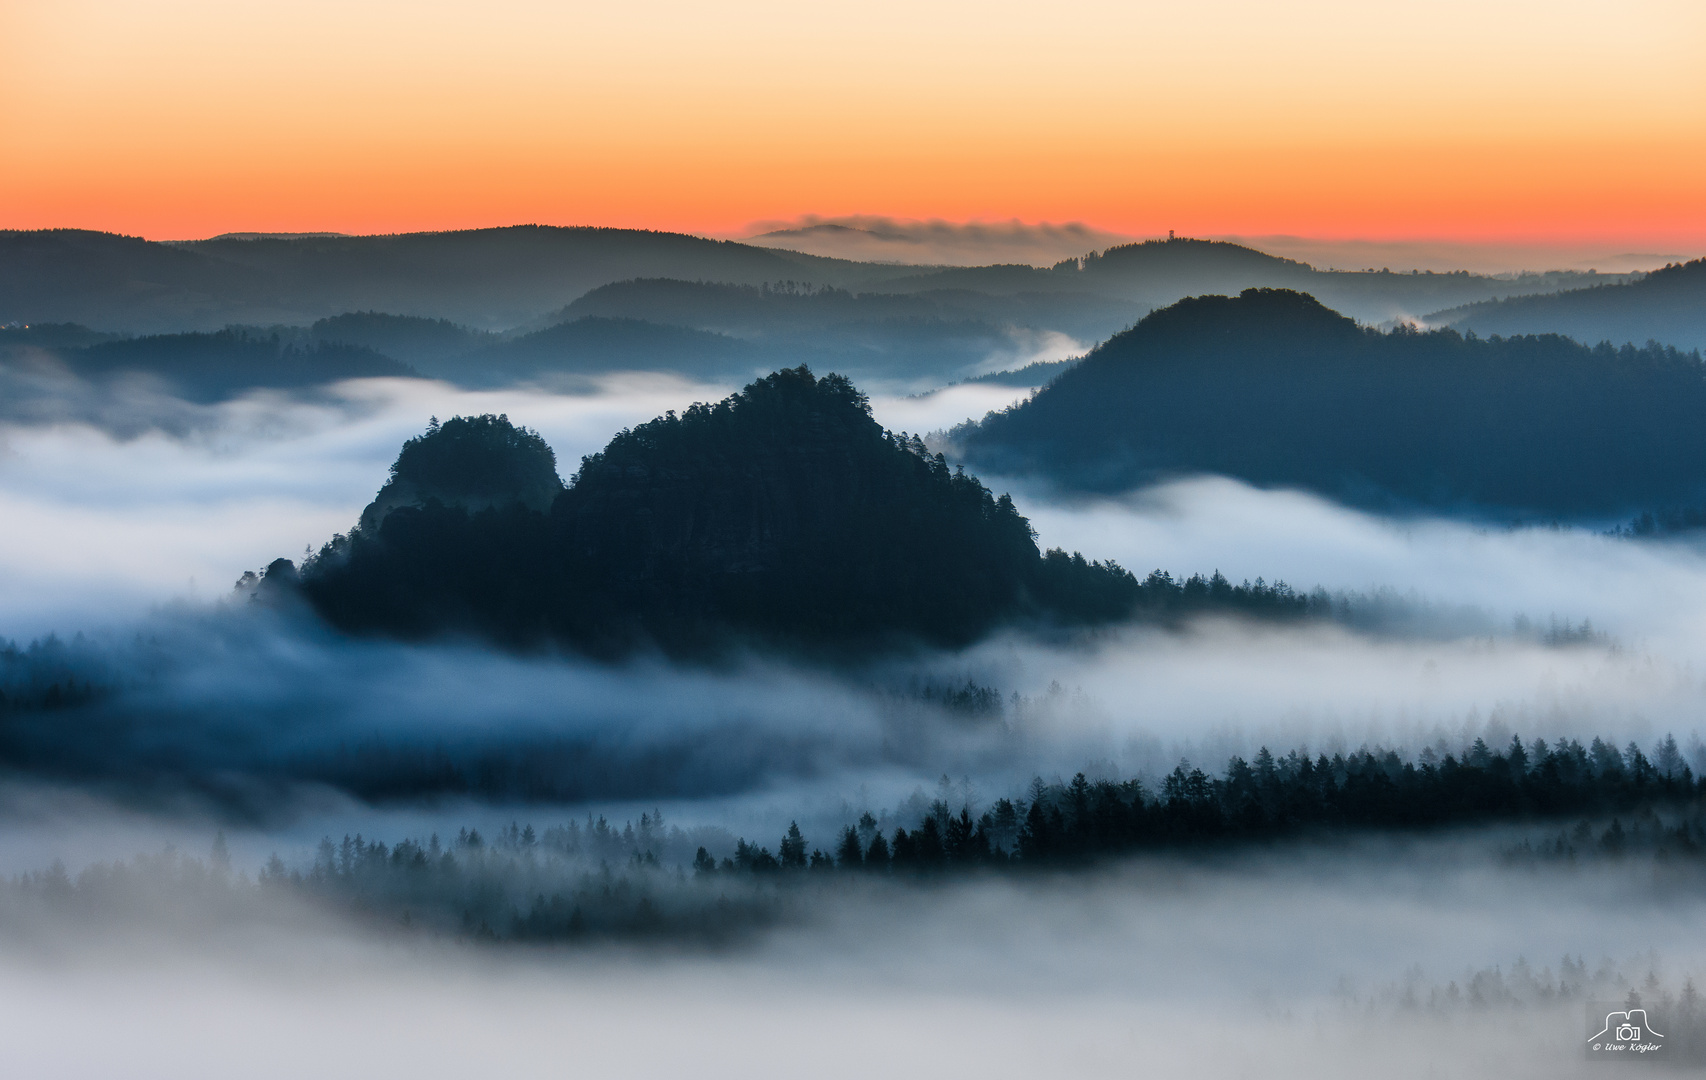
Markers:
point(473, 462)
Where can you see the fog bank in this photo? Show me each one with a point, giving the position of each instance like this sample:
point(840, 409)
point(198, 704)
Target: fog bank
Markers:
point(1417, 961)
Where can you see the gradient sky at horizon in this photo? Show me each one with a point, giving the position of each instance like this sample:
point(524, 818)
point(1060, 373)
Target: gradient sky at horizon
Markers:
point(1483, 121)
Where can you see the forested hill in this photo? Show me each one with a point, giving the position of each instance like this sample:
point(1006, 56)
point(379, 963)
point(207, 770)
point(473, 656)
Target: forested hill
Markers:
point(212, 367)
point(1668, 305)
point(782, 515)
point(486, 278)
point(1274, 388)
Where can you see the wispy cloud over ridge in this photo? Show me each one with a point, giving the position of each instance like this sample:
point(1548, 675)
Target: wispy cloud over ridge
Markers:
point(934, 242)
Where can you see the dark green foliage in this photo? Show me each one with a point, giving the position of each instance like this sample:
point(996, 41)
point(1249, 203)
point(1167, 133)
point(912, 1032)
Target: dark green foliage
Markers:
point(572, 884)
point(209, 367)
point(418, 341)
point(479, 458)
point(783, 513)
point(594, 345)
point(1277, 797)
point(1040, 373)
point(465, 501)
point(787, 507)
point(1273, 388)
point(1667, 305)
point(50, 674)
point(848, 854)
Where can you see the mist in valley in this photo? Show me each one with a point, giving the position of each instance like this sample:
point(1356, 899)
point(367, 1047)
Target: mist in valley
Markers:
point(231, 713)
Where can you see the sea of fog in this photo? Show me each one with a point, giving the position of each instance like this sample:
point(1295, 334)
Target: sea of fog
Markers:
point(1349, 962)
point(1422, 959)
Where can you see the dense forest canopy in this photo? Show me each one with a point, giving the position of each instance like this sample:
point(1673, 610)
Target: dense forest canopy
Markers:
point(782, 514)
point(1274, 388)
point(471, 462)
point(1668, 305)
point(783, 511)
point(211, 367)
point(593, 345)
point(415, 340)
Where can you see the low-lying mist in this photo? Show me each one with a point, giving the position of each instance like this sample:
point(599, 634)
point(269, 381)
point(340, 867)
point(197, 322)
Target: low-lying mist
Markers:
point(1417, 960)
point(1457, 630)
point(184, 712)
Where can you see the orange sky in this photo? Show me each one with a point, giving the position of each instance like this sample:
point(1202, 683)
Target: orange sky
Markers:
point(1492, 119)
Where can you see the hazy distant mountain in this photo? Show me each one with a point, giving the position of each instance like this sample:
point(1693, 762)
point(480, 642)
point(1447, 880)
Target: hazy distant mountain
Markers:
point(210, 367)
point(1668, 305)
point(1274, 388)
point(62, 373)
point(420, 342)
point(486, 278)
point(50, 336)
point(593, 345)
point(1040, 373)
point(1477, 257)
point(769, 310)
point(883, 239)
point(904, 338)
point(1156, 273)
point(572, 348)
point(495, 279)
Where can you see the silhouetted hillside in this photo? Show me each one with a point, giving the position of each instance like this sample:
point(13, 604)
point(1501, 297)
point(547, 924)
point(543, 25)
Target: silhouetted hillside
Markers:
point(921, 336)
point(419, 342)
point(496, 279)
point(1274, 388)
point(209, 367)
point(782, 515)
point(594, 345)
point(1155, 273)
point(1667, 305)
point(50, 336)
point(485, 278)
point(473, 463)
point(1040, 373)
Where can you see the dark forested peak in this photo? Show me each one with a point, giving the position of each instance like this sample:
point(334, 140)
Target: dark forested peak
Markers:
point(473, 462)
point(1183, 251)
point(782, 515)
point(1271, 318)
point(790, 408)
point(788, 503)
point(1690, 276)
point(1274, 388)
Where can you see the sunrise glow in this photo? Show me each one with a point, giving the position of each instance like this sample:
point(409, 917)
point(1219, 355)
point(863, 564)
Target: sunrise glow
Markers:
point(1503, 120)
